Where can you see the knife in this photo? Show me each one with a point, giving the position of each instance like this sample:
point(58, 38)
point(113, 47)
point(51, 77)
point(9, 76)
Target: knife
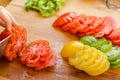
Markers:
point(3, 44)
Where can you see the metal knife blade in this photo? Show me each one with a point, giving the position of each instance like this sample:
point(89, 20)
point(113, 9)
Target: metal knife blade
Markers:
point(3, 44)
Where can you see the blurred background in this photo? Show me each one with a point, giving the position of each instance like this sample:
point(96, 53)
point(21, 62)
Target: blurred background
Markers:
point(4, 2)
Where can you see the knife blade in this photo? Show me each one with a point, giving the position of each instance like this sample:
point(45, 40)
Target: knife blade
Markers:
point(3, 44)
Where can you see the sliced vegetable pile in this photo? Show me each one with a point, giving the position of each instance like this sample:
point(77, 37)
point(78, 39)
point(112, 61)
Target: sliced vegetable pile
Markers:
point(99, 43)
point(36, 54)
point(104, 45)
point(16, 42)
point(86, 58)
point(92, 55)
point(45, 7)
point(82, 25)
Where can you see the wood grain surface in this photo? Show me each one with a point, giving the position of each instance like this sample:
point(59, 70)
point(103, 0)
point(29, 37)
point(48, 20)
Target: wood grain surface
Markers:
point(3, 78)
point(39, 27)
point(4, 2)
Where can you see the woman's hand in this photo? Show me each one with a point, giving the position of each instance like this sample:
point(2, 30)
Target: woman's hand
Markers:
point(6, 19)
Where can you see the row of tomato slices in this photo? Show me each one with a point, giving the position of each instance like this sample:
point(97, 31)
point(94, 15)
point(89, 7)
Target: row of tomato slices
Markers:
point(81, 25)
point(37, 54)
point(85, 58)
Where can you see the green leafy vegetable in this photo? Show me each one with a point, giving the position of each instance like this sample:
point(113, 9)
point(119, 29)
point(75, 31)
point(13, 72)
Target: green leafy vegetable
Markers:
point(45, 7)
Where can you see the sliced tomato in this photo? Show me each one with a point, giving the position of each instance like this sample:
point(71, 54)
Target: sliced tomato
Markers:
point(95, 26)
point(16, 42)
point(114, 35)
point(82, 19)
point(76, 24)
point(88, 23)
point(50, 61)
point(4, 34)
point(71, 25)
point(108, 27)
point(64, 19)
point(79, 20)
point(38, 55)
point(81, 35)
point(116, 42)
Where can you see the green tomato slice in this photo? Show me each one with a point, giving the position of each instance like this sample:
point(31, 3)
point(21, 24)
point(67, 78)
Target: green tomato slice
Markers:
point(117, 61)
point(88, 40)
point(114, 53)
point(106, 47)
point(115, 64)
point(100, 42)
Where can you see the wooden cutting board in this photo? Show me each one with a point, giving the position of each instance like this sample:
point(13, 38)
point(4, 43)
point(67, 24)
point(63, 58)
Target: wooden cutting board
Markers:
point(39, 27)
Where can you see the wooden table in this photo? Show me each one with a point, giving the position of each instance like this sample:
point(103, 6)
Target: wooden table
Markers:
point(4, 2)
point(39, 27)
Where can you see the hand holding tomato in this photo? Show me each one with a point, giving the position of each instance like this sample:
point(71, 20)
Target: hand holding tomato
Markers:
point(6, 19)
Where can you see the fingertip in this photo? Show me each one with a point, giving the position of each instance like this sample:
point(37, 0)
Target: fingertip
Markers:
point(15, 23)
point(9, 26)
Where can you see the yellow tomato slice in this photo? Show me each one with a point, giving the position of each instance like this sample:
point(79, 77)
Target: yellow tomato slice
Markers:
point(102, 63)
point(81, 56)
point(97, 62)
point(75, 59)
point(101, 70)
point(90, 61)
point(71, 48)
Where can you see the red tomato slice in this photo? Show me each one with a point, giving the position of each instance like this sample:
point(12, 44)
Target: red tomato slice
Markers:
point(82, 19)
point(4, 34)
point(108, 27)
point(114, 35)
point(74, 24)
point(96, 25)
point(80, 34)
point(71, 25)
point(38, 55)
point(16, 42)
point(88, 23)
point(50, 61)
point(64, 19)
point(116, 42)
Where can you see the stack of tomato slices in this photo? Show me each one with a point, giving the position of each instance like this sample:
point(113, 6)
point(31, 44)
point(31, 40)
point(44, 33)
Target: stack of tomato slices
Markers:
point(16, 42)
point(81, 25)
point(85, 58)
point(37, 54)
